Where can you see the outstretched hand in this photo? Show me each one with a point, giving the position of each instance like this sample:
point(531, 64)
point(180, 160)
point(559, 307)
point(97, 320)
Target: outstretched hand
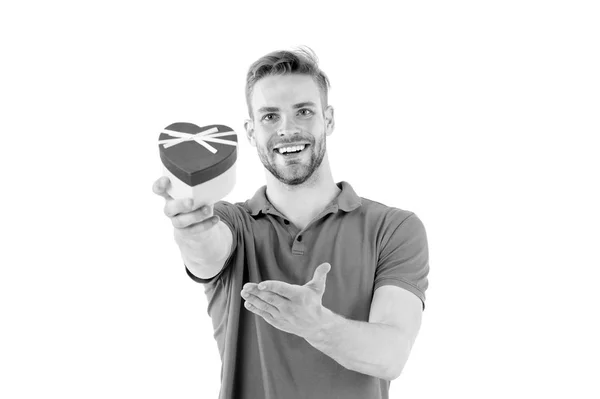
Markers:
point(295, 309)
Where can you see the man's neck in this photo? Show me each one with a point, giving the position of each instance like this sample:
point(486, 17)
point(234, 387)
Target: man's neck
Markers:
point(303, 202)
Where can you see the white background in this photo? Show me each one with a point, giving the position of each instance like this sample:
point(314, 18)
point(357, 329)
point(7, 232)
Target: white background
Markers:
point(480, 117)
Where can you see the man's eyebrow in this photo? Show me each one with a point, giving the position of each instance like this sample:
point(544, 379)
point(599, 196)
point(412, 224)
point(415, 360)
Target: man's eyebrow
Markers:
point(305, 104)
point(295, 106)
point(268, 109)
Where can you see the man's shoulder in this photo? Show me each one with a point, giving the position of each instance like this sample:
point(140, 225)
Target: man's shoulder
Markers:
point(237, 205)
point(241, 208)
point(372, 207)
point(393, 225)
point(252, 206)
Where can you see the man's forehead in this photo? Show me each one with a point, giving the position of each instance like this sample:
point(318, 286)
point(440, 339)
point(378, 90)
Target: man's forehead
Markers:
point(285, 90)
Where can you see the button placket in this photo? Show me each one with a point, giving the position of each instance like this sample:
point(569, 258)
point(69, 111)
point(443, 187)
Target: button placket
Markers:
point(298, 245)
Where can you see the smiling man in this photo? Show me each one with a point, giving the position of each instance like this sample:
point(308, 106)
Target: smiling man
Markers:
point(313, 291)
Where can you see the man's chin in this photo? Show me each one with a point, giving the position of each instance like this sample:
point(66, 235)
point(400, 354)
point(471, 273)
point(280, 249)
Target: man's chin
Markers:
point(293, 182)
point(293, 179)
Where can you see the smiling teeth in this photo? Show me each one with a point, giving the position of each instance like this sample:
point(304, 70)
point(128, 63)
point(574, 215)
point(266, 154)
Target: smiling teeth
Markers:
point(283, 150)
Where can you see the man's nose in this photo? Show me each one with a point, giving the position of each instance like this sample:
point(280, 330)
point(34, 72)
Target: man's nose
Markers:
point(288, 127)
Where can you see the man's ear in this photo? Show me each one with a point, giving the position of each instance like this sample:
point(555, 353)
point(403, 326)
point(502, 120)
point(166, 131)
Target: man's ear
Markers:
point(249, 126)
point(329, 120)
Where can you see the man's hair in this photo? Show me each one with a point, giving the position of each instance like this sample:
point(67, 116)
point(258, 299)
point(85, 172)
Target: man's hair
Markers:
point(301, 61)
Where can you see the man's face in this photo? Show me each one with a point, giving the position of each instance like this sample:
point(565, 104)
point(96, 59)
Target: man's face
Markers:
point(288, 115)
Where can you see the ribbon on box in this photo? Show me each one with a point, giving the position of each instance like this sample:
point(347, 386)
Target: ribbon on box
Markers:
point(200, 138)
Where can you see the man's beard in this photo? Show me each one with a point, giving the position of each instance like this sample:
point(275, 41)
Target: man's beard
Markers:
point(294, 174)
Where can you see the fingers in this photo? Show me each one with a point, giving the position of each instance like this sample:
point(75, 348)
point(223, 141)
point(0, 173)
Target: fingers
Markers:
point(160, 187)
point(184, 213)
point(186, 217)
point(188, 233)
point(279, 287)
point(204, 225)
point(250, 290)
point(174, 207)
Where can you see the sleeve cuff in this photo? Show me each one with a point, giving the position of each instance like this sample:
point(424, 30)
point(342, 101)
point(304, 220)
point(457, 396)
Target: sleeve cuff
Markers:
point(402, 284)
point(201, 280)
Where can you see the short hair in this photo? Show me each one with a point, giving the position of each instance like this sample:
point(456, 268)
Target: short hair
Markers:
point(301, 61)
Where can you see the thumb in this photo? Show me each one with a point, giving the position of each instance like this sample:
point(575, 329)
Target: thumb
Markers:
point(320, 276)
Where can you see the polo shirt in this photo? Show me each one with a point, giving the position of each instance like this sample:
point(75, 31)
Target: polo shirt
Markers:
point(367, 244)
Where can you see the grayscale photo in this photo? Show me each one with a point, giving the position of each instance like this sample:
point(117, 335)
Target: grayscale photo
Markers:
point(316, 200)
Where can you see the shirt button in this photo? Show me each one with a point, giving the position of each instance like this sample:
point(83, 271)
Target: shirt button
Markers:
point(299, 238)
point(286, 221)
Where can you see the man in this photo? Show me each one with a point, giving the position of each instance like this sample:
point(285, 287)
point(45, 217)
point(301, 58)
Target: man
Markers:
point(344, 277)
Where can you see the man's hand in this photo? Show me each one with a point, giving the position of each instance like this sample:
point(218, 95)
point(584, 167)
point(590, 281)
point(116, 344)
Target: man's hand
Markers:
point(192, 222)
point(203, 242)
point(295, 309)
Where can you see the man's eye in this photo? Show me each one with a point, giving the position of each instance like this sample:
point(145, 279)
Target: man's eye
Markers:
point(306, 112)
point(269, 117)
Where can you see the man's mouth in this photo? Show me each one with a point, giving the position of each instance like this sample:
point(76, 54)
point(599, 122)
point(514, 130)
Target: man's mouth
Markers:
point(289, 151)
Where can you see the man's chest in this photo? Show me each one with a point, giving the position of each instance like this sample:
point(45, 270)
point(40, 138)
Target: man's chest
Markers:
point(353, 259)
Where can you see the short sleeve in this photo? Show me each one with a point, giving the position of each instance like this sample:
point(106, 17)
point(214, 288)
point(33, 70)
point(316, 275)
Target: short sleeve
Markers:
point(228, 214)
point(404, 255)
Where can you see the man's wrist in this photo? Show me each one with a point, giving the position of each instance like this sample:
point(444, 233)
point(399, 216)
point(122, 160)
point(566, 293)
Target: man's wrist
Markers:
point(322, 331)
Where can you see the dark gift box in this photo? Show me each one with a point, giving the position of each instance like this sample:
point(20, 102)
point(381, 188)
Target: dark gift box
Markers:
point(199, 161)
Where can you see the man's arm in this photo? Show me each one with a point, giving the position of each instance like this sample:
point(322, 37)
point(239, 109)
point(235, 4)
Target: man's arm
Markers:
point(380, 347)
point(206, 261)
point(204, 241)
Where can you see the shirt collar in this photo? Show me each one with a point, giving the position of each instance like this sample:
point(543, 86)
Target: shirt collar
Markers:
point(347, 200)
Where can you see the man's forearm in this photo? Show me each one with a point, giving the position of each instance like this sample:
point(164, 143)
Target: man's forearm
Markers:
point(213, 246)
point(206, 258)
point(374, 349)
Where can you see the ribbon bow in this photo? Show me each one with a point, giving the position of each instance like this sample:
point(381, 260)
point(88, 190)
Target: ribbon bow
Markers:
point(200, 138)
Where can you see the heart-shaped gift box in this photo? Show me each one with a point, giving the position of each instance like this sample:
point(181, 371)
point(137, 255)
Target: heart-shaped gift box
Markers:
point(199, 161)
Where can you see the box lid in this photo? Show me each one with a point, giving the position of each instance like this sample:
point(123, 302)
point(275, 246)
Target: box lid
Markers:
point(197, 154)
